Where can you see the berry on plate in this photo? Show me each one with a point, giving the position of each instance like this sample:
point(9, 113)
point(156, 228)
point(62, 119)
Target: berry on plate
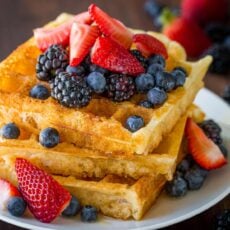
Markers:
point(204, 151)
point(45, 197)
point(82, 38)
point(189, 35)
point(114, 57)
point(88, 213)
point(46, 37)
point(73, 208)
point(111, 27)
point(149, 45)
point(16, 206)
point(7, 192)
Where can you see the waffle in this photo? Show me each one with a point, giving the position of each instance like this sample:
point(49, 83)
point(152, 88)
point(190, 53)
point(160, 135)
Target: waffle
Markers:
point(90, 127)
point(114, 196)
point(66, 159)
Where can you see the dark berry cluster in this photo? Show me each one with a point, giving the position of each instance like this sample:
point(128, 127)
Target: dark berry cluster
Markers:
point(222, 221)
point(157, 82)
point(54, 60)
point(71, 91)
point(120, 87)
point(189, 176)
point(212, 130)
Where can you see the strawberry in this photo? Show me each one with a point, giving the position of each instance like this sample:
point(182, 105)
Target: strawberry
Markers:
point(112, 56)
point(149, 45)
point(58, 35)
point(7, 191)
point(189, 35)
point(205, 11)
point(82, 38)
point(111, 27)
point(204, 151)
point(45, 197)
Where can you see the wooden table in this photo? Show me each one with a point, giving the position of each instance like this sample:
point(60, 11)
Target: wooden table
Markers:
point(19, 18)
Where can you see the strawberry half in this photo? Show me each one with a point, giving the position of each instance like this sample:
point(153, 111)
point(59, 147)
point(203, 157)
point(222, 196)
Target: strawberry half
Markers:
point(204, 151)
point(111, 27)
point(149, 45)
point(45, 197)
point(114, 57)
point(7, 191)
point(59, 35)
point(82, 38)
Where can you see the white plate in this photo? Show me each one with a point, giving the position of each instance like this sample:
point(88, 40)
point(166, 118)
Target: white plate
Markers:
point(166, 211)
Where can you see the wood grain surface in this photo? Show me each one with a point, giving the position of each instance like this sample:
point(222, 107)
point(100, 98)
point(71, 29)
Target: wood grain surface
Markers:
point(19, 18)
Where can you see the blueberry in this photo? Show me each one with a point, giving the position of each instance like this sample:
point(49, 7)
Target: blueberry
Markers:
point(96, 81)
point(153, 8)
point(39, 92)
point(183, 166)
point(88, 213)
point(73, 208)
point(96, 68)
point(146, 104)
point(165, 81)
point(134, 123)
point(154, 69)
point(76, 70)
point(16, 206)
point(177, 187)
point(179, 76)
point(10, 131)
point(144, 82)
point(156, 59)
point(181, 69)
point(224, 150)
point(156, 96)
point(49, 137)
point(195, 177)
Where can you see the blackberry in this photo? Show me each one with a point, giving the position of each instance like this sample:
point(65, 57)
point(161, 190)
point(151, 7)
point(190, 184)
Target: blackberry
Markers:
point(70, 91)
point(53, 61)
point(222, 221)
point(221, 59)
point(120, 87)
point(212, 131)
point(137, 54)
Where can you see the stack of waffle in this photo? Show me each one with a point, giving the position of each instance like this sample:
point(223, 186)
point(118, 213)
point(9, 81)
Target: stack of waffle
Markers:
point(98, 160)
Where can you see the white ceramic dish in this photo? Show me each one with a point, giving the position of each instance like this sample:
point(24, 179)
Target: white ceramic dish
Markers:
point(166, 211)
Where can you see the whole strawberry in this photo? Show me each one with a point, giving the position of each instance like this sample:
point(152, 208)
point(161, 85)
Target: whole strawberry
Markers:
point(189, 35)
point(45, 197)
point(205, 11)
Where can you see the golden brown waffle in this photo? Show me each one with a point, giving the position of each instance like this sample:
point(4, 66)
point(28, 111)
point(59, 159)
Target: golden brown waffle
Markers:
point(100, 125)
point(66, 159)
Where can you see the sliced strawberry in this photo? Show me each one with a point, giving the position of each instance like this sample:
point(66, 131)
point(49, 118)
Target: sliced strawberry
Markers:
point(7, 191)
point(82, 38)
point(205, 152)
point(45, 197)
point(111, 27)
point(59, 35)
point(149, 45)
point(114, 57)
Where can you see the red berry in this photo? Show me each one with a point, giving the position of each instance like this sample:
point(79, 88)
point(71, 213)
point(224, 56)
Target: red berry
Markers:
point(189, 35)
point(204, 151)
point(149, 45)
point(45, 197)
point(205, 11)
point(111, 27)
point(82, 38)
point(46, 37)
point(114, 57)
point(7, 191)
